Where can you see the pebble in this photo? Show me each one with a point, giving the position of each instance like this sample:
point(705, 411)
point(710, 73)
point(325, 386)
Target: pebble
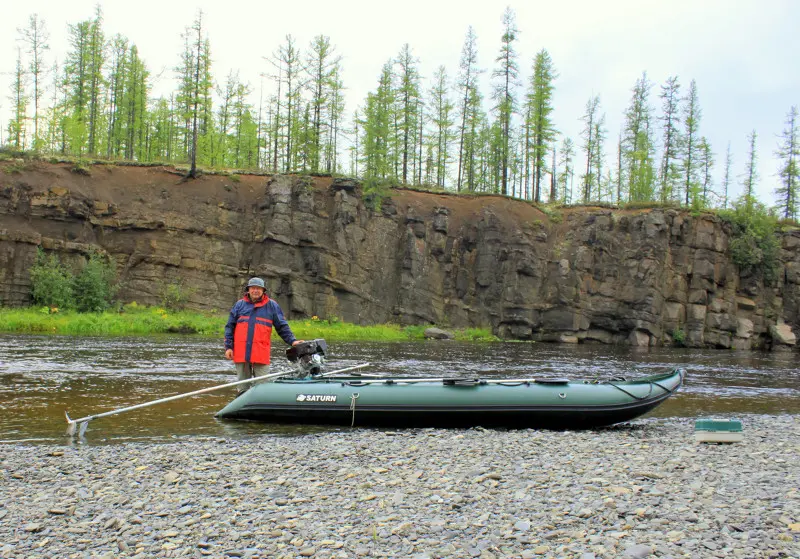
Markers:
point(632, 491)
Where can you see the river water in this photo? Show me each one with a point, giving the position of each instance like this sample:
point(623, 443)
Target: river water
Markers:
point(43, 376)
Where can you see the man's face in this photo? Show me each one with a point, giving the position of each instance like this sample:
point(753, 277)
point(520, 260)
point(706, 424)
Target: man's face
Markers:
point(255, 293)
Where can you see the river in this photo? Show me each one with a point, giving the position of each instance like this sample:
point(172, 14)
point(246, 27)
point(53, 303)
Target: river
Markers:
point(43, 376)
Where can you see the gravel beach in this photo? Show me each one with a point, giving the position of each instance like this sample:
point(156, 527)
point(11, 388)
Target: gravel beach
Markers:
point(641, 490)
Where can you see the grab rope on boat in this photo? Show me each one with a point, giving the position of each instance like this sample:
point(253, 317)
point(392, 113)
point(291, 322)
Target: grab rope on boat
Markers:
point(353, 397)
point(650, 392)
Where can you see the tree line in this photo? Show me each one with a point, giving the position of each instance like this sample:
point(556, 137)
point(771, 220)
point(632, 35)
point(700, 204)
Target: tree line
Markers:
point(443, 131)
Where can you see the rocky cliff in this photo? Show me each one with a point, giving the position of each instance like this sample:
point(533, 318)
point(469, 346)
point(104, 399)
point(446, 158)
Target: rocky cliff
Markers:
point(642, 277)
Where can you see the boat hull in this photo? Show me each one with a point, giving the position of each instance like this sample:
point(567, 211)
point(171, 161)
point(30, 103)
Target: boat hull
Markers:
point(468, 403)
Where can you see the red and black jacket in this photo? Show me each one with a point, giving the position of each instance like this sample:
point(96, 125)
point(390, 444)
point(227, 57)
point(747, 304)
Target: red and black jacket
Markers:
point(249, 330)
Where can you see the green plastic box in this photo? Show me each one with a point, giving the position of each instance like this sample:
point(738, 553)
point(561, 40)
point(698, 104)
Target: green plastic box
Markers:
point(718, 431)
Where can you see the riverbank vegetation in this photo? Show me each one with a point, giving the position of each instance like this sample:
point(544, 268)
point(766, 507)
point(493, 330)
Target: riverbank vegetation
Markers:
point(138, 320)
point(79, 300)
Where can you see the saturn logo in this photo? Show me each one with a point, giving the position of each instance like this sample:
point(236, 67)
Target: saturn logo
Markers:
point(316, 398)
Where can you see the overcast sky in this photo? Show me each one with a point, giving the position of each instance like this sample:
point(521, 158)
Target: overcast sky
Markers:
point(742, 53)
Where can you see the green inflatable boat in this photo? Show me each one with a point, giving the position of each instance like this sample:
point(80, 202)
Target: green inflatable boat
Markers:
point(453, 402)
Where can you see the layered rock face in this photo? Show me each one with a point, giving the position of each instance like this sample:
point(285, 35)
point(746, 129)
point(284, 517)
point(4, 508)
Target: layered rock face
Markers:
point(642, 277)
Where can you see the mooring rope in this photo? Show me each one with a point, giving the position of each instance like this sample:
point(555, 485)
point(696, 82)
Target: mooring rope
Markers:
point(353, 397)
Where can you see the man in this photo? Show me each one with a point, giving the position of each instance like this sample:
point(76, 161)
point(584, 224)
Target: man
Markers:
point(249, 331)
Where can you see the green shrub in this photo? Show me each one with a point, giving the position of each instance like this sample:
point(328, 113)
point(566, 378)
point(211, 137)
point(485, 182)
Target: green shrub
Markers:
point(754, 245)
point(174, 295)
point(94, 286)
point(51, 283)
point(678, 336)
point(376, 190)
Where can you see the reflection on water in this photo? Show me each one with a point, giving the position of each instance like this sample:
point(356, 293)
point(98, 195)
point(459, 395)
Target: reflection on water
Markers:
point(42, 376)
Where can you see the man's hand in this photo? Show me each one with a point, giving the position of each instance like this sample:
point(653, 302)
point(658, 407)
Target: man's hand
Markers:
point(294, 343)
point(229, 354)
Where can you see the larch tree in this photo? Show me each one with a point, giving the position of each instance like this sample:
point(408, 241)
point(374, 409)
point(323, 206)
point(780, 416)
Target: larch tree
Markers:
point(726, 177)
point(274, 116)
point(408, 99)
point(670, 169)
point(567, 166)
point(244, 138)
point(377, 124)
point(195, 86)
point(600, 134)
point(750, 177)
point(321, 65)
point(621, 183)
point(441, 115)
point(136, 95)
point(35, 37)
point(788, 153)
point(591, 118)
point(335, 110)
point(226, 95)
point(691, 145)
point(77, 69)
point(290, 77)
point(706, 165)
point(637, 143)
point(540, 131)
point(56, 136)
point(353, 149)
point(506, 76)
point(118, 59)
point(468, 106)
point(19, 100)
point(96, 82)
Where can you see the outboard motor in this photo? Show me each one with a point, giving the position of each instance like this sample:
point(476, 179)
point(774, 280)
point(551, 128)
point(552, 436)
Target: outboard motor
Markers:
point(309, 356)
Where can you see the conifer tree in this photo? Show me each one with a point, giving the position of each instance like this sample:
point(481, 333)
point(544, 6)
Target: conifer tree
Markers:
point(378, 120)
point(289, 62)
point(35, 37)
point(226, 95)
point(135, 99)
point(408, 97)
point(705, 164)
point(637, 143)
point(118, 59)
point(95, 83)
point(566, 164)
point(19, 100)
point(669, 171)
point(592, 122)
point(335, 110)
point(726, 177)
point(321, 66)
point(691, 137)
point(506, 76)
point(77, 69)
point(540, 131)
point(442, 118)
point(194, 93)
point(750, 178)
point(468, 109)
point(788, 153)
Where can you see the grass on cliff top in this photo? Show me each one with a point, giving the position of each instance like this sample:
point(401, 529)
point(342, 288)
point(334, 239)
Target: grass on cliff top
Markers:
point(136, 320)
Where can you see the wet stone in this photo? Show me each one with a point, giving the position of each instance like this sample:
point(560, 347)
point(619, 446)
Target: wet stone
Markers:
point(644, 490)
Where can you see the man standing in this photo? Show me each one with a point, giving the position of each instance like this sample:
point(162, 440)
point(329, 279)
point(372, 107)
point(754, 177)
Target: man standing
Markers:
point(249, 331)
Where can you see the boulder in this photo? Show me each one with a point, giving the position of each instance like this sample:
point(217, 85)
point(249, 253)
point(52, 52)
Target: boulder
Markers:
point(782, 334)
point(437, 334)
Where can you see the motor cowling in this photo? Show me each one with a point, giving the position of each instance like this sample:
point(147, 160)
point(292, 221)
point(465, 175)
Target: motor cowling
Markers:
point(309, 356)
